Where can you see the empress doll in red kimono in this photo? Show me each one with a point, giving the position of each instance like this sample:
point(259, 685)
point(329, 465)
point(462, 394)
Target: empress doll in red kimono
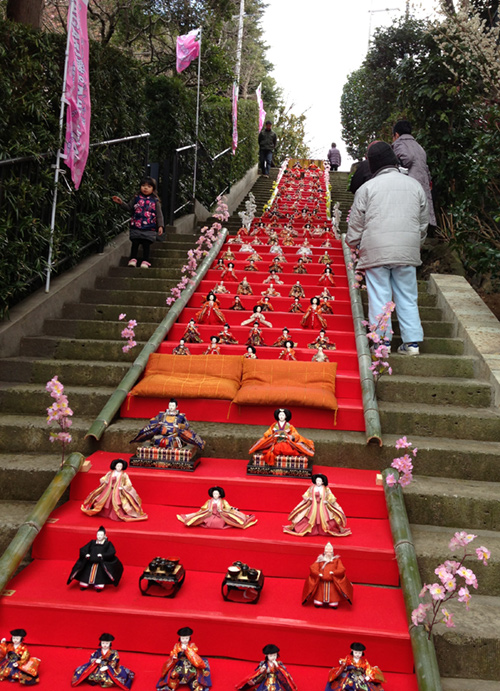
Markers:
point(16, 663)
point(270, 675)
point(313, 319)
point(318, 513)
point(327, 276)
point(210, 312)
point(327, 584)
point(115, 497)
point(282, 439)
point(228, 272)
point(217, 513)
point(354, 673)
point(104, 669)
point(184, 666)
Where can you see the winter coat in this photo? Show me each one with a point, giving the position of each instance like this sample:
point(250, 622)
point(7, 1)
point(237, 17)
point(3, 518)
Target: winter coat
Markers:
point(413, 157)
point(147, 216)
point(267, 140)
point(334, 157)
point(388, 220)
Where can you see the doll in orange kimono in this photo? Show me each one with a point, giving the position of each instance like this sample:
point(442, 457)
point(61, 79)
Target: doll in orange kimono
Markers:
point(282, 439)
point(318, 513)
point(313, 319)
point(115, 497)
point(327, 583)
point(210, 312)
point(16, 663)
point(184, 667)
point(354, 673)
point(217, 513)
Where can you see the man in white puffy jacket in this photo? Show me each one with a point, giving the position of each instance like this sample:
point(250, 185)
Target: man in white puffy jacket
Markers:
point(388, 221)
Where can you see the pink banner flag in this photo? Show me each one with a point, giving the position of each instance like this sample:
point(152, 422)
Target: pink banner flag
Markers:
point(235, 116)
point(188, 48)
point(77, 92)
point(262, 112)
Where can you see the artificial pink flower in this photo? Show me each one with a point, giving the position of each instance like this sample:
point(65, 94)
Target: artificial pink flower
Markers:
point(437, 591)
point(468, 575)
point(461, 539)
point(419, 614)
point(447, 618)
point(464, 596)
point(483, 554)
point(403, 443)
point(122, 316)
point(390, 480)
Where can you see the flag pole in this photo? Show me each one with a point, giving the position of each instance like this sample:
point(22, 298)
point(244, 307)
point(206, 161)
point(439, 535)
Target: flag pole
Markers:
point(59, 154)
point(197, 125)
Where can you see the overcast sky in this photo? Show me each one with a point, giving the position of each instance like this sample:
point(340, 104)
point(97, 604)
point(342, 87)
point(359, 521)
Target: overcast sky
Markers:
point(315, 45)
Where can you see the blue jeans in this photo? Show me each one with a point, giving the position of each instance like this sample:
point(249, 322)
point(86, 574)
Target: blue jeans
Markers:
point(399, 284)
point(265, 160)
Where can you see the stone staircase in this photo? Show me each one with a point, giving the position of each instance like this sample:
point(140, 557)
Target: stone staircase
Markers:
point(438, 400)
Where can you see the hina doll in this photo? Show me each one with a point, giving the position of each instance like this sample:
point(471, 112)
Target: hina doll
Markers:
point(251, 353)
point(115, 497)
point(320, 356)
point(281, 340)
point(270, 675)
point(305, 250)
point(282, 439)
point(273, 278)
point(228, 273)
point(228, 256)
point(288, 353)
point(271, 291)
point(327, 583)
point(322, 341)
point(296, 307)
point(287, 239)
point(275, 266)
point(326, 307)
point(184, 667)
point(170, 430)
point(327, 276)
point(318, 513)
point(313, 318)
point(220, 289)
point(213, 348)
point(237, 305)
point(181, 349)
point(220, 266)
point(272, 237)
point(257, 316)
point(354, 673)
point(325, 259)
point(251, 266)
point(265, 304)
point(16, 663)
point(327, 243)
point(255, 256)
point(297, 291)
point(244, 287)
point(104, 669)
point(97, 565)
point(210, 312)
point(191, 334)
point(225, 336)
point(242, 234)
point(255, 336)
point(217, 513)
point(299, 267)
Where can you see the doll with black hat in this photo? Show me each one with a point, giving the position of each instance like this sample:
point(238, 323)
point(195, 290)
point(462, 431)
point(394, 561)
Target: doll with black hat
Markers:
point(271, 674)
point(16, 663)
point(354, 673)
point(213, 348)
point(103, 668)
point(327, 584)
point(318, 513)
point(184, 666)
point(217, 513)
point(115, 497)
point(97, 565)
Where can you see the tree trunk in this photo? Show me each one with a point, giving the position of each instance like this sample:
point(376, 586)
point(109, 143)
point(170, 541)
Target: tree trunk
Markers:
point(28, 12)
point(449, 7)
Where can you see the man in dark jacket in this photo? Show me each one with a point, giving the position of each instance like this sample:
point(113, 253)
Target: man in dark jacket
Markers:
point(267, 144)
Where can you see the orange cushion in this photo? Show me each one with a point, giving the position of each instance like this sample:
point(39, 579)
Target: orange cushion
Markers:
point(274, 382)
point(191, 376)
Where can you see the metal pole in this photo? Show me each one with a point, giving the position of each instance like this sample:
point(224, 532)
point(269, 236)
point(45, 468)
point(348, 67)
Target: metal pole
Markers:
point(59, 155)
point(197, 125)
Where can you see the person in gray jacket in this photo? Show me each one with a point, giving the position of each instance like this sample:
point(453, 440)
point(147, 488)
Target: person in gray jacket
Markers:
point(413, 157)
point(267, 144)
point(388, 222)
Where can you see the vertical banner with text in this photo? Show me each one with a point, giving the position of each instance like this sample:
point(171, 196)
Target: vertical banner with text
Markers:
point(235, 116)
point(77, 93)
point(262, 112)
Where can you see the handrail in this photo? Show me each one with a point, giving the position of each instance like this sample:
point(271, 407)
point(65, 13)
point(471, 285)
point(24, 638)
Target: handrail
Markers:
point(113, 405)
point(28, 531)
point(424, 653)
point(370, 405)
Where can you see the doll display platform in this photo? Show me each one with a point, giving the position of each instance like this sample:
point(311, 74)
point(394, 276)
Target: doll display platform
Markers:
point(289, 466)
point(148, 456)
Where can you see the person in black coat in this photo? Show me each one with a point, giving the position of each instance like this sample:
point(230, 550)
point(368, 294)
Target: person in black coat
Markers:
point(97, 564)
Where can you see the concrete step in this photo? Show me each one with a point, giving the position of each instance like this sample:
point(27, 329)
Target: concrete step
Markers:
point(440, 421)
point(425, 299)
point(137, 283)
point(78, 349)
point(128, 298)
point(470, 393)
point(432, 329)
point(433, 365)
point(24, 477)
point(12, 515)
point(449, 684)
point(75, 372)
point(431, 544)
point(33, 399)
point(102, 312)
point(97, 330)
point(30, 434)
point(445, 502)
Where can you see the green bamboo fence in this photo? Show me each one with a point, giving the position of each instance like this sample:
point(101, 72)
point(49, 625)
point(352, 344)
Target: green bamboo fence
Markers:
point(424, 653)
point(28, 531)
point(370, 405)
point(108, 412)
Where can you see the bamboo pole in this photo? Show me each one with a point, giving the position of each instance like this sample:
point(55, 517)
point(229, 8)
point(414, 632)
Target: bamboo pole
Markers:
point(424, 653)
point(370, 405)
point(23, 539)
point(110, 409)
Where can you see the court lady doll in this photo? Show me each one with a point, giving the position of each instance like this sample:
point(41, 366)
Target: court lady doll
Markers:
point(318, 513)
point(217, 513)
point(115, 497)
point(327, 276)
point(257, 316)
